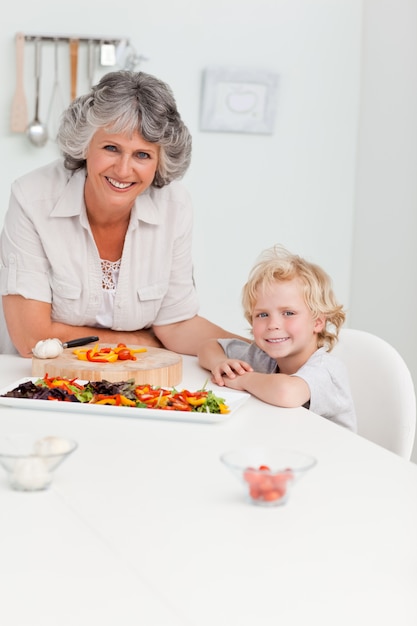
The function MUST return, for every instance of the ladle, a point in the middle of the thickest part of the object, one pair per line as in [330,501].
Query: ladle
[56,105]
[36,131]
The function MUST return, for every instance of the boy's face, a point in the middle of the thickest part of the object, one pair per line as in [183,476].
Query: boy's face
[283,325]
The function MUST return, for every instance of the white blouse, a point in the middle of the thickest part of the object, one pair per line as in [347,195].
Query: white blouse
[48,254]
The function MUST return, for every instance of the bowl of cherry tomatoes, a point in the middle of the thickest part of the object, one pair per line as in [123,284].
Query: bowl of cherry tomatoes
[268,474]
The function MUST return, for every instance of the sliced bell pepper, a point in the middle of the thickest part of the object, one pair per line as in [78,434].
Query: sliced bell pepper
[101,356]
[196,401]
[107,355]
[117,399]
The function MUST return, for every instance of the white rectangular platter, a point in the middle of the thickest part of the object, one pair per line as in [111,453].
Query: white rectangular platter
[233,399]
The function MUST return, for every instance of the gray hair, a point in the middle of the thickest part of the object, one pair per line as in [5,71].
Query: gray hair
[127,102]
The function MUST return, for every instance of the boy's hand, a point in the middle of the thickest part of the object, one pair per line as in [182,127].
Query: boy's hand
[229,369]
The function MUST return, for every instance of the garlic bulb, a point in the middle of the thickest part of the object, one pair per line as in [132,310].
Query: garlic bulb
[48,348]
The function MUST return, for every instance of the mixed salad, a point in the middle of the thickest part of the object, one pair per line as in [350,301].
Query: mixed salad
[123,393]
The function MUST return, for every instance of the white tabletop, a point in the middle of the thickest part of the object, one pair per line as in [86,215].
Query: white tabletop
[144,525]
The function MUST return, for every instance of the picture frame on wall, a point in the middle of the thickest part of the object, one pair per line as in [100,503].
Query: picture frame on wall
[238,100]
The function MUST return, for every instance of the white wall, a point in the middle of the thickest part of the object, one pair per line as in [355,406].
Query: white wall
[297,186]
[384,260]
[250,191]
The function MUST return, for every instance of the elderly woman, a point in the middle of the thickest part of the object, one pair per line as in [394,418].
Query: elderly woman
[99,241]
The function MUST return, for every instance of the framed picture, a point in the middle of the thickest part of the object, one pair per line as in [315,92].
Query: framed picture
[238,100]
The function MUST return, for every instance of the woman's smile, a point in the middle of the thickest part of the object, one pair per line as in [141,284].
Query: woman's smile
[118,184]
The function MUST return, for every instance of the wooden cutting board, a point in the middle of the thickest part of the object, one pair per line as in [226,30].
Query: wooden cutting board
[155,366]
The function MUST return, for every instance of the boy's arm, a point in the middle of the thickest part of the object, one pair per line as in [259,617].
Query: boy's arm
[278,389]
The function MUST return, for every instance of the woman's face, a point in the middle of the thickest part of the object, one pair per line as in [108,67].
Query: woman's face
[119,168]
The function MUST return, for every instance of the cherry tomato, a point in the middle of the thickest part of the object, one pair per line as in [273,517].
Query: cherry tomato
[124,355]
[280,480]
[248,474]
[272,495]
[254,492]
[266,485]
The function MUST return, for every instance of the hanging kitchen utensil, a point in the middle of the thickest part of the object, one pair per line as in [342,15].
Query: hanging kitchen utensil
[19,117]
[36,131]
[74,43]
[90,63]
[57,104]
[108,54]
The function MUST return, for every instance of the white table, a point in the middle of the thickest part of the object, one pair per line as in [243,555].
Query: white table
[144,526]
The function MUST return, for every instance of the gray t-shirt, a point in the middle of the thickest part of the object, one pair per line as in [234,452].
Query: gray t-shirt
[324,373]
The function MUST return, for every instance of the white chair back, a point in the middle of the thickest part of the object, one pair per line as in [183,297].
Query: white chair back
[382,389]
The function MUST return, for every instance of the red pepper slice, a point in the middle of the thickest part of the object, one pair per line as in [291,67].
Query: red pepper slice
[179,406]
[92,356]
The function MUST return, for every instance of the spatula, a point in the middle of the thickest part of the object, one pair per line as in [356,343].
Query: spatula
[19,116]
[74,66]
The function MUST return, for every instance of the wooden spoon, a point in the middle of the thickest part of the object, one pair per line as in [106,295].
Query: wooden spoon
[19,117]
[74,66]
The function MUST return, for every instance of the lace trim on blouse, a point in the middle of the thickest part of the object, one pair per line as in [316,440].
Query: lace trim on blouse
[109,278]
[109,274]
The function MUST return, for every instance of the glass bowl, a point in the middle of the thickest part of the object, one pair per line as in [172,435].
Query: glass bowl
[268,474]
[30,463]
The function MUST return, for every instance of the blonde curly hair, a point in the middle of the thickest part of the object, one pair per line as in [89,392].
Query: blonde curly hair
[278,264]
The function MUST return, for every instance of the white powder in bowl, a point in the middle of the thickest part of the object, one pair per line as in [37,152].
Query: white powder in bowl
[51,445]
[30,474]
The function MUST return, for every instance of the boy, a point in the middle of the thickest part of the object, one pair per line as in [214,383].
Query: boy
[295,321]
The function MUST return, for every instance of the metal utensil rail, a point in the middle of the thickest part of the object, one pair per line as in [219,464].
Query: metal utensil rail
[82,38]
